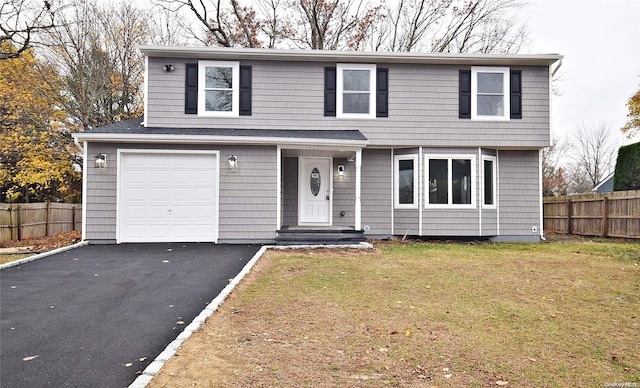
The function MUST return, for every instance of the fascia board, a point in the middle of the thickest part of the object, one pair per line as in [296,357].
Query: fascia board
[196,139]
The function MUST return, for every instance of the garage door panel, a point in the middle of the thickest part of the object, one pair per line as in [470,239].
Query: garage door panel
[168,197]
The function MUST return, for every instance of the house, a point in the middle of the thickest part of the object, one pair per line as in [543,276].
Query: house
[605,186]
[240,145]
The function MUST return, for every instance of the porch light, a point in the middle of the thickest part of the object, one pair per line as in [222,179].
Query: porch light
[169,68]
[101,161]
[341,169]
[233,162]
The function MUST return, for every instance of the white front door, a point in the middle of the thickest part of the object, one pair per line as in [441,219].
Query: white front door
[314,191]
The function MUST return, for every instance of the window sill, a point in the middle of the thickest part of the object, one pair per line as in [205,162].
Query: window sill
[451,207]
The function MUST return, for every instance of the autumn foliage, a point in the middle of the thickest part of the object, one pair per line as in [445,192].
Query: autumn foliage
[632,126]
[36,154]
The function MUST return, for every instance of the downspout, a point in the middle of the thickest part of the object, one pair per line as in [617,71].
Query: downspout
[78,145]
[553,73]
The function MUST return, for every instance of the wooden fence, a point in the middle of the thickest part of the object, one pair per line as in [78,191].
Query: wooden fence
[27,220]
[615,214]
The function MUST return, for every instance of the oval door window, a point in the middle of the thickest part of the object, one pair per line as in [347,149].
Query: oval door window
[314,182]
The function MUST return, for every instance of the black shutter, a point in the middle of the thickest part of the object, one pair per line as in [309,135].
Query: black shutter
[245,90]
[330,91]
[464,104]
[191,89]
[382,93]
[516,94]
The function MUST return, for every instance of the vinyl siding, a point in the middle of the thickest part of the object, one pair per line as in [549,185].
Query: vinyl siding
[344,193]
[423,105]
[290,192]
[247,205]
[519,192]
[376,197]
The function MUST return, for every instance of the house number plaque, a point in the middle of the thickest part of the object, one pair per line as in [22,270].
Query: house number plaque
[314,182]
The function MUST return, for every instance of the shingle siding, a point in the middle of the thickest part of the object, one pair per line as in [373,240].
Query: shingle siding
[519,192]
[247,205]
[423,105]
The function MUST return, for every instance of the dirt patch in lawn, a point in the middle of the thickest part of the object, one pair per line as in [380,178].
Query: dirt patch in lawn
[425,314]
[15,250]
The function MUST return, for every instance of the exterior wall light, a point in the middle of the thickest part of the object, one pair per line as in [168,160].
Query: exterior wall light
[101,161]
[233,162]
[341,169]
[169,68]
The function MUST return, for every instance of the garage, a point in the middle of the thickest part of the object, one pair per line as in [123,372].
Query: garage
[167,196]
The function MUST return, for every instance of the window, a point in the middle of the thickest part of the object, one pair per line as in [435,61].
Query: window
[219,88]
[406,188]
[450,181]
[489,182]
[356,91]
[490,93]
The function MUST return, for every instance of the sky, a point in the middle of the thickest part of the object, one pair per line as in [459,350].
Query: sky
[600,42]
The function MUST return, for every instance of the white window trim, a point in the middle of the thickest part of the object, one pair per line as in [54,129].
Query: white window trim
[235,99]
[506,93]
[372,91]
[396,181]
[450,204]
[494,180]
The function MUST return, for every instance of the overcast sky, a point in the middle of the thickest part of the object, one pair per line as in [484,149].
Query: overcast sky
[600,41]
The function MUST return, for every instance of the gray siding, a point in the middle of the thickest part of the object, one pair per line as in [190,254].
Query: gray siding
[101,194]
[290,192]
[423,105]
[519,192]
[344,193]
[247,195]
[376,197]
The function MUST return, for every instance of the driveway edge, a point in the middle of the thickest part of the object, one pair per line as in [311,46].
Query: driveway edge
[42,255]
[153,368]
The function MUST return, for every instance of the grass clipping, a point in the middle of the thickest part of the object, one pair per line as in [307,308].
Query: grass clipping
[425,315]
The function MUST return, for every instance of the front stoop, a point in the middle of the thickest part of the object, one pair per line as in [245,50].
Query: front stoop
[319,237]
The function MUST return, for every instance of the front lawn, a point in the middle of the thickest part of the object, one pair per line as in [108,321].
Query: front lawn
[413,315]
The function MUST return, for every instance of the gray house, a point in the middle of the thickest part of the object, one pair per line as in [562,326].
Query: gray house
[242,145]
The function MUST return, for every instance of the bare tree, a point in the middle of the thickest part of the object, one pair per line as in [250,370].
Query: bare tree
[593,152]
[554,181]
[22,20]
[481,26]
[226,23]
[94,50]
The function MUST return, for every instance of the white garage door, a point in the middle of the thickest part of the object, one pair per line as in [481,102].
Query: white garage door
[168,197]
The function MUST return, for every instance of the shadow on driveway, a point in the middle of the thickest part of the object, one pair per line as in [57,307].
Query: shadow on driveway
[80,317]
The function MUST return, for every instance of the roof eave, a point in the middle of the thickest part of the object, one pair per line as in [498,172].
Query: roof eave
[209,139]
[347,56]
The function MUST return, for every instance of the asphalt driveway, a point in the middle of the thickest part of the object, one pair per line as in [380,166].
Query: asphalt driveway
[99,314]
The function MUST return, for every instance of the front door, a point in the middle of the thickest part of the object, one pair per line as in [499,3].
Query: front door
[314,191]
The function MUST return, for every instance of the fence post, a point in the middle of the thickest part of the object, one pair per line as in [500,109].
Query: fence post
[19,222]
[73,218]
[569,226]
[46,219]
[605,216]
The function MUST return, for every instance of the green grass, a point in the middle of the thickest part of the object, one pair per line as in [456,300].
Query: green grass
[550,314]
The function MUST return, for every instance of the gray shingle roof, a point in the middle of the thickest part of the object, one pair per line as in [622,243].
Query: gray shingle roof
[134,127]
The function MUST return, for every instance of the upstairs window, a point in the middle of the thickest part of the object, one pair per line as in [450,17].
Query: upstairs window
[219,88]
[450,181]
[356,84]
[490,93]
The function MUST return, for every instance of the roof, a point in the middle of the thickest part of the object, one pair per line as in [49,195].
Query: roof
[133,131]
[348,56]
[605,185]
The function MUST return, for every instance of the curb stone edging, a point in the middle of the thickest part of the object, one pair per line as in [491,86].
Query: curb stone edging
[43,255]
[156,365]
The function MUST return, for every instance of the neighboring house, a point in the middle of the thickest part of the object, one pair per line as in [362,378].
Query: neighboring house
[605,186]
[237,145]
